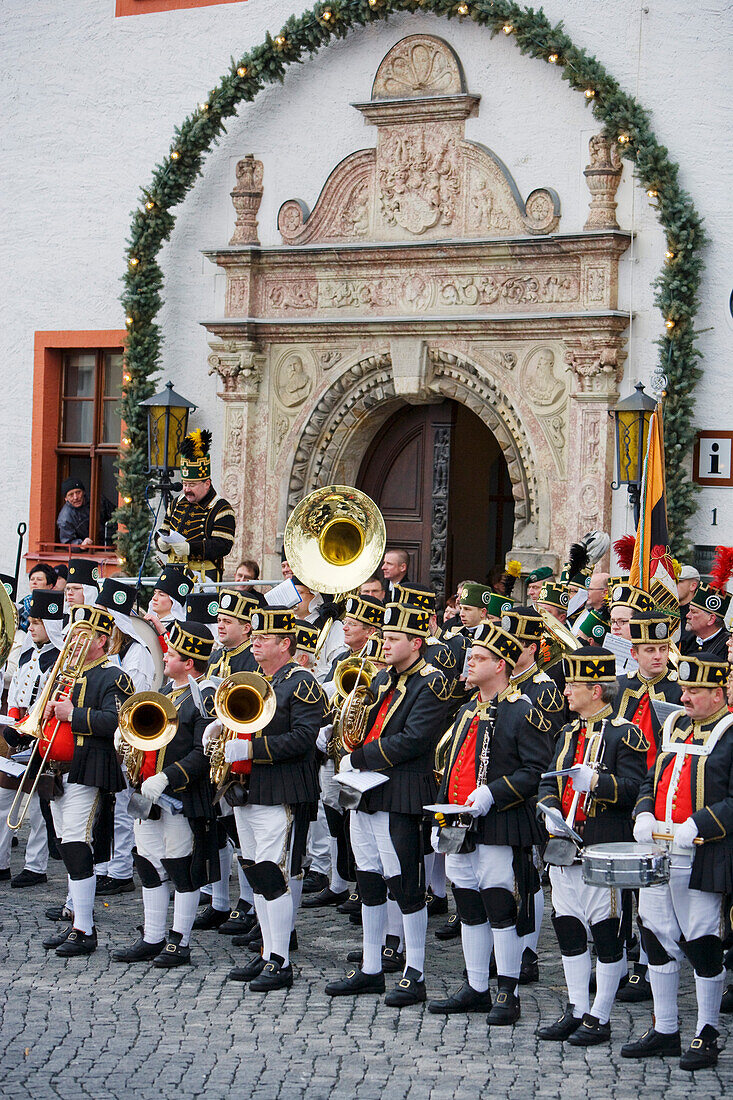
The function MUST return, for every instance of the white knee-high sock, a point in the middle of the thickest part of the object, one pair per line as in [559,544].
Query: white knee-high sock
[245,890]
[415,926]
[338,884]
[476,940]
[184,913]
[608,975]
[373,923]
[665,982]
[577,978]
[82,902]
[220,888]
[429,859]
[709,993]
[264,921]
[69,903]
[532,939]
[437,876]
[394,921]
[296,892]
[508,947]
[155,907]
[280,915]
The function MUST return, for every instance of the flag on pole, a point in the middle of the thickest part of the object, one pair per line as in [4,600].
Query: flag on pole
[652,568]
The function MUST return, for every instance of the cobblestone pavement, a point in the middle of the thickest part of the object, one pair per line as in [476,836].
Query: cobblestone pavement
[91,1027]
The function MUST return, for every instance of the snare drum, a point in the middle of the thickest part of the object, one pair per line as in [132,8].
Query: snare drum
[625,865]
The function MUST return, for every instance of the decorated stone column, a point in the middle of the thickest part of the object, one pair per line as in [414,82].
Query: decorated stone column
[603,176]
[240,366]
[247,196]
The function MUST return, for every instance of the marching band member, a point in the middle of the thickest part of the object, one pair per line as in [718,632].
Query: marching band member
[170,592]
[606,758]
[82,582]
[404,724]
[689,794]
[706,622]
[233,629]
[498,750]
[87,771]
[179,848]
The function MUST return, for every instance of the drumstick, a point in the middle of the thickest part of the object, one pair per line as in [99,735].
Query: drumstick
[669,836]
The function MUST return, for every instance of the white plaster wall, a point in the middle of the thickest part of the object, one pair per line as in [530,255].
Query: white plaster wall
[89,107]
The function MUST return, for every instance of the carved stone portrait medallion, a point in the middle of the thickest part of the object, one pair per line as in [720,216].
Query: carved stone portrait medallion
[539,381]
[294,381]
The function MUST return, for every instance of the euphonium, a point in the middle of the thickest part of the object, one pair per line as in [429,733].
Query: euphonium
[147,721]
[352,679]
[557,640]
[244,703]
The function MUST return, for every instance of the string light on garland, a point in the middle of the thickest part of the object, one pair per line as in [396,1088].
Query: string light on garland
[669,254]
[129,321]
[175,155]
[652,193]
[507,28]
[242,70]
[669,323]
[623,139]
[553,58]
[327,15]
[589,93]
[281,41]
[463,9]
[134,261]
[203,106]
[150,205]
[373,3]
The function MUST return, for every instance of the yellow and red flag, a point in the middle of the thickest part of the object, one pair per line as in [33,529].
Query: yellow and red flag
[652,568]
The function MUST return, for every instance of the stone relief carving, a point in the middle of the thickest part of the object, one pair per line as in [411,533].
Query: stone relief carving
[539,381]
[246,197]
[239,366]
[417,66]
[596,363]
[439,517]
[297,294]
[418,181]
[603,176]
[293,381]
[330,358]
[282,424]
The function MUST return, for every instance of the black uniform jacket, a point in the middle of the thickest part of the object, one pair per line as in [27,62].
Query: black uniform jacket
[717,645]
[284,771]
[418,715]
[520,750]
[631,691]
[208,526]
[711,791]
[623,765]
[97,696]
[183,760]
[544,695]
[225,662]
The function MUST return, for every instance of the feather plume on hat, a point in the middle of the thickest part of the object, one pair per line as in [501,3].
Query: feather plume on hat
[722,568]
[577,558]
[624,550]
[196,444]
[512,570]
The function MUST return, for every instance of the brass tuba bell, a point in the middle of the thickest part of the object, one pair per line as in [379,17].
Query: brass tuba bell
[147,721]
[557,640]
[244,703]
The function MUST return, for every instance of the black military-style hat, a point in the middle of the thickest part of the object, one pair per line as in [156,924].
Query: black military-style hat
[711,599]
[191,639]
[83,571]
[202,607]
[46,603]
[306,636]
[703,670]
[524,623]
[626,595]
[416,595]
[374,649]
[117,596]
[176,582]
[273,620]
[405,619]
[491,636]
[649,628]
[9,584]
[365,609]
[554,594]
[590,665]
[239,605]
[98,618]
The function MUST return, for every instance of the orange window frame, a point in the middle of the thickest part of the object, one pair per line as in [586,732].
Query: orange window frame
[144,7]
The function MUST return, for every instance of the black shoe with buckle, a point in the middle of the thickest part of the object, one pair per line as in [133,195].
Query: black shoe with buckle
[57,938]
[530,969]
[703,1051]
[562,1028]
[726,1004]
[324,897]
[209,918]
[351,905]
[507,1009]
[465,999]
[109,887]
[246,973]
[637,988]
[356,981]
[591,1032]
[172,953]
[241,921]
[451,930]
[59,912]
[393,960]
[653,1044]
[314,882]
[78,943]
[410,990]
[139,951]
[437,906]
[28,878]
[275,975]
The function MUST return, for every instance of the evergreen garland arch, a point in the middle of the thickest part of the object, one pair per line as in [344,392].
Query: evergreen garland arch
[623,119]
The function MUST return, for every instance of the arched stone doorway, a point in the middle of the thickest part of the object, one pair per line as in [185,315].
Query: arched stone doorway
[442,484]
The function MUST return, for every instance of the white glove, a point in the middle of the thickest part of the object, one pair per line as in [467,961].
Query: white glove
[212,730]
[346,765]
[554,827]
[324,736]
[582,777]
[480,801]
[434,837]
[119,742]
[163,542]
[644,827]
[153,788]
[237,749]
[180,549]
[686,833]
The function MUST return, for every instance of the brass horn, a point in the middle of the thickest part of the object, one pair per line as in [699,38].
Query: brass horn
[561,640]
[8,624]
[147,721]
[352,678]
[244,703]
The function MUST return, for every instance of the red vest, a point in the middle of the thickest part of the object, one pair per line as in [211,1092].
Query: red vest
[569,790]
[462,781]
[682,797]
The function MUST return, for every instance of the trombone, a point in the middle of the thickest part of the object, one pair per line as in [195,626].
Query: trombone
[148,720]
[67,670]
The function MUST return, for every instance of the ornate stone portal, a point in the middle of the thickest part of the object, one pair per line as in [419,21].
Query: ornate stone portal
[420,274]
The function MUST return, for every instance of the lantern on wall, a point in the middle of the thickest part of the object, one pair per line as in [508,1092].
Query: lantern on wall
[632,416]
[167,425]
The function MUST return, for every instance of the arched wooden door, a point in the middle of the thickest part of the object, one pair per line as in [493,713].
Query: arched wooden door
[442,485]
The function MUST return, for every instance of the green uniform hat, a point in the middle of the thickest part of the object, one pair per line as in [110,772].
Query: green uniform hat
[480,595]
[406,620]
[542,574]
[497,641]
[648,628]
[703,670]
[523,623]
[625,595]
[594,625]
[195,458]
[365,609]
[590,665]
[711,599]
[191,640]
[273,620]
[554,594]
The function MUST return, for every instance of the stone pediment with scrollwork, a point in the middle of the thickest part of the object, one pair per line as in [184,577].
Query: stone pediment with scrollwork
[423,180]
